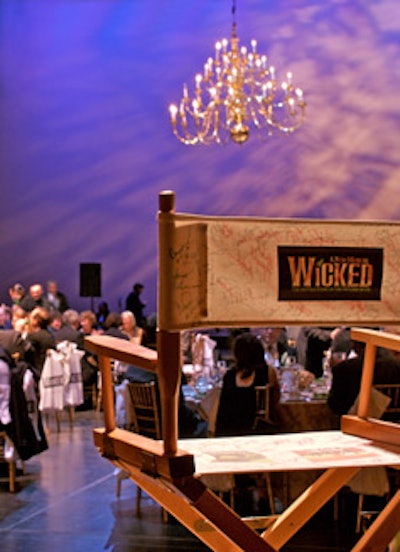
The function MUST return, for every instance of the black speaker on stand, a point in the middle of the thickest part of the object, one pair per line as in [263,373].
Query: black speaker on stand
[90,281]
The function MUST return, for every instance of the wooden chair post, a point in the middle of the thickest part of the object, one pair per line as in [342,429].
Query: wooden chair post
[107,392]
[168,346]
[169,382]
[366,380]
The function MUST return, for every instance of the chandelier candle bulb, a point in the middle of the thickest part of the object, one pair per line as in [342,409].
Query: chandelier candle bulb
[173,110]
[217,50]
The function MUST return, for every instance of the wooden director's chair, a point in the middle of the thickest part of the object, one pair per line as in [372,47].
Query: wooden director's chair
[169,475]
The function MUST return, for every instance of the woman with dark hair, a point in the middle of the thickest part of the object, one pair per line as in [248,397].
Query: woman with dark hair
[237,407]
[112,325]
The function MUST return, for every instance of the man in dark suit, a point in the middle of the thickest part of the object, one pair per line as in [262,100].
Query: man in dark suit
[39,338]
[346,378]
[35,298]
[54,296]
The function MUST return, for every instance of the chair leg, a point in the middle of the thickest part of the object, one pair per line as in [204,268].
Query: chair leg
[336,507]
[71,414]
[11,474]
[118,489]
[270,493]
[120,475]
[359,510]
[232,498]
[99,400]
[94,396]
[57,418]
[138,498]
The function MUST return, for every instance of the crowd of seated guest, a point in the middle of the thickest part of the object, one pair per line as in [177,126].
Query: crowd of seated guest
[37,319]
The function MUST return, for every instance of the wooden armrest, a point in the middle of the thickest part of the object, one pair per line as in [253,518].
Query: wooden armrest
[387,433]
[123,350]
[376,338]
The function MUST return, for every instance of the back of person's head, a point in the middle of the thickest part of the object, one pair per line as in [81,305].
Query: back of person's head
[71,318]
[113,320]
[249,353]
[138,287]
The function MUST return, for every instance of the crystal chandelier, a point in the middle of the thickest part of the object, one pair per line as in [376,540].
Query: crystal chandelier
[237,94]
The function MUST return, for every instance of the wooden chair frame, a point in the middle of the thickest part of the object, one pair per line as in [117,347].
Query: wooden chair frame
[168,474]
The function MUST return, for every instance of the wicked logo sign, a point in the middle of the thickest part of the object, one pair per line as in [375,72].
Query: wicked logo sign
[329,273]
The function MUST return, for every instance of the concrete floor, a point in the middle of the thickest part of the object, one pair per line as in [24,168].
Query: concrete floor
[67,502]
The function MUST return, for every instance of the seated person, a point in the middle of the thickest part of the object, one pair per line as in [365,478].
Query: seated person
[236,412]
[69,330]
[39,338]
[130,328]
[346,377]
[112,326]
[312,342]
[275,343]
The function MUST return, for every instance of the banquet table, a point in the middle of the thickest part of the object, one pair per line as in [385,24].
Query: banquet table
[291,415]
[305,415]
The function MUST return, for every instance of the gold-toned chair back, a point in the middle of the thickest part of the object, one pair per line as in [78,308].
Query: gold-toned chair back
[145,409]
[263,403]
